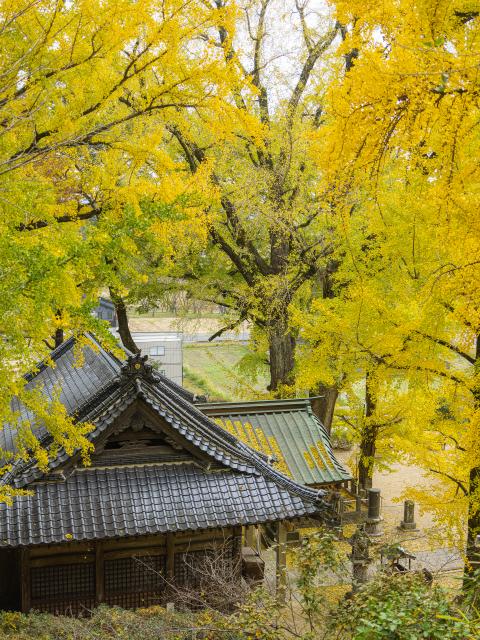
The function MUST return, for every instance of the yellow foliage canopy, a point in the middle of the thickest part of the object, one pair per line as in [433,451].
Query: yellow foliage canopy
[401,150]
[88,92]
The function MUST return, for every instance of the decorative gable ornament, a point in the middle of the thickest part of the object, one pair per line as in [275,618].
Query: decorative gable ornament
[136,366]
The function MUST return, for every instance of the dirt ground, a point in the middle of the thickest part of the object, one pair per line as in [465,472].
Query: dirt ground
[392,485]
[426,542]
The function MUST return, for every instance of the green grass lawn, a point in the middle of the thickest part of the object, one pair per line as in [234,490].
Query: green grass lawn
[211,369]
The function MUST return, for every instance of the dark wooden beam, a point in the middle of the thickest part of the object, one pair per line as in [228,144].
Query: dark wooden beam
[170,557]
[99,574]
[25,579]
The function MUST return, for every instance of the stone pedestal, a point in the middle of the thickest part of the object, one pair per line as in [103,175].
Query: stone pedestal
[373,524]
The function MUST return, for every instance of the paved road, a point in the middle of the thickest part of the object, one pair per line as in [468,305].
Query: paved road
[438,560]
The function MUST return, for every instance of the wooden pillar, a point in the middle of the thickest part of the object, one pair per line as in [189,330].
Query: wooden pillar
[237,552]
[250,536]
[25,579]
[170,557]
[99,574]
[281,568]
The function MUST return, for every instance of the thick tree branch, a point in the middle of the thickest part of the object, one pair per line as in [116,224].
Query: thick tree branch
[459,484]
[123,328]
[194,156]
[314,54]
[41,224]
[447,345]
[351,55]
[422,369]
[228,327]
[257,63]
[227,248]
[454,440]
[466,16]
[30,153]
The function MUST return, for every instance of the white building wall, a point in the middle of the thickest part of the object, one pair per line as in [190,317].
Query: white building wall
[163,349]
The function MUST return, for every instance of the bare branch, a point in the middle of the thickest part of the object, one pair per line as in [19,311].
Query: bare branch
[314,54]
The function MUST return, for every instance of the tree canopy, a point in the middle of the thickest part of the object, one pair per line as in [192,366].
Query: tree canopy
[325,190]
[86,91]
[405,123]
[270,239]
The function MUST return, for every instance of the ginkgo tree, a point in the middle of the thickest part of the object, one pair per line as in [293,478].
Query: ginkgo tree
[404,141]
[86,90]
[270,239]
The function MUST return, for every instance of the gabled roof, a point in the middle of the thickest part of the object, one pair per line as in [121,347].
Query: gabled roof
[77,383]
[287,430]
[100,502]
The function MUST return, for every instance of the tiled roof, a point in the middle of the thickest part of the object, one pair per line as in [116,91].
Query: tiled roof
[138,500]
[287,430]
[235,485]
[112,400]
[79,376]
[77,379]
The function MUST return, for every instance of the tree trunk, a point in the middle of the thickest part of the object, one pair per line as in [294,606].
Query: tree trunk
[473,550]
[367,455]
[281,346]
[368,442]
[473,525]
[324,405]
[58,337]
[123,328]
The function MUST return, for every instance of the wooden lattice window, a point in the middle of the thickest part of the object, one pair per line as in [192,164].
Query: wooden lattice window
[192,567]
[137,581]
[206,577]
[63,588]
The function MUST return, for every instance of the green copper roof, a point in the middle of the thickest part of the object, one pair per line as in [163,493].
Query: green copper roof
[287,430]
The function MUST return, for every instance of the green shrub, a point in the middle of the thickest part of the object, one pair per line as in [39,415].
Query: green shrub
[401,607]
[105,623]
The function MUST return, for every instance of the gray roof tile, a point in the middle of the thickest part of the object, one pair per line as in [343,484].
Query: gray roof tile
[101,503]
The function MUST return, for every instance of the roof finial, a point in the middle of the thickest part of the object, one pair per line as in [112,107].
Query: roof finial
[137,366]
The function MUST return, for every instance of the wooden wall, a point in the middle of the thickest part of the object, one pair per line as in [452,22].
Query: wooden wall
[128,572]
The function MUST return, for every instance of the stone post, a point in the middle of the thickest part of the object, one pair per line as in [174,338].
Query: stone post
[250,536]
[373,524]
[408,523]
